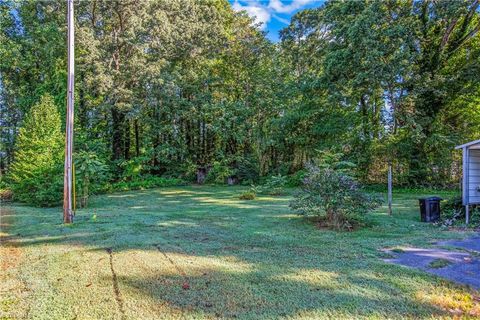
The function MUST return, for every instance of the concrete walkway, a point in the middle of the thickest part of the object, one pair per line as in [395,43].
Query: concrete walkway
[445,260]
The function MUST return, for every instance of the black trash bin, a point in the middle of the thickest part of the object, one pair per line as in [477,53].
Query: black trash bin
[429,209]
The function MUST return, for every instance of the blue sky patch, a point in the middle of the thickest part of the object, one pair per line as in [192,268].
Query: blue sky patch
[273,14]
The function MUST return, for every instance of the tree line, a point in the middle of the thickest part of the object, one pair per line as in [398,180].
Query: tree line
[194,90]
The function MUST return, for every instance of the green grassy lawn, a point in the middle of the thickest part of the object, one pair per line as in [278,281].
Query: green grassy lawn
[200,253]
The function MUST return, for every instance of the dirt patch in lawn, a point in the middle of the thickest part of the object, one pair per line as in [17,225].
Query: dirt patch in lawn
[10,255]
[12,288]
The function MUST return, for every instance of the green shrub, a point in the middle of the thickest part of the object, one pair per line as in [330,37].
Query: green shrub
[43,189]
[248,170]
[333,197]
[275,185]
[145,182]
[453,213]
[36,175]
[218,173]
[296,179]
[47,189]
[453,204]
[247,195]
[90,174]
[6,194]
[133,169]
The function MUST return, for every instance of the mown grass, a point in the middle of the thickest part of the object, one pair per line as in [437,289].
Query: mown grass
[201,253]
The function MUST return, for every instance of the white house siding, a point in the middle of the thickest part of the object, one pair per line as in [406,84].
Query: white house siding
[474,176]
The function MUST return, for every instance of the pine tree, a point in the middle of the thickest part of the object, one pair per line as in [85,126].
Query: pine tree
[36,171]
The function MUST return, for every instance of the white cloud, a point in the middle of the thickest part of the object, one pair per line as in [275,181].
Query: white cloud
[279,7]
[282,20]
[260,13]
[263,13]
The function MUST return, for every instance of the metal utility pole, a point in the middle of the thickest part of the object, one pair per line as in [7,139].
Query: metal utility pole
[67,182]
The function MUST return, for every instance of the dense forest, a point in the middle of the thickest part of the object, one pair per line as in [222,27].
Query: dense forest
[193,90]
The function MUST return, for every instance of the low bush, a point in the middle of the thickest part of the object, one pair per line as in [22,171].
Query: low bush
[275,185]
[247,195]
[145,182]
[452,204]
[333,197]
[453,213]
[6,194]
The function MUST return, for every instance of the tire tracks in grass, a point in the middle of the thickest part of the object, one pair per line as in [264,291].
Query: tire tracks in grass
[116,288]
[179,269]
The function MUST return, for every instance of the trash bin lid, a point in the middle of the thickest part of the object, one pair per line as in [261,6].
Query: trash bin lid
[434,198]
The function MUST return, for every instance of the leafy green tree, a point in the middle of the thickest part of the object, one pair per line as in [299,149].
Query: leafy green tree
[174,88]
[36,173]
[90,173]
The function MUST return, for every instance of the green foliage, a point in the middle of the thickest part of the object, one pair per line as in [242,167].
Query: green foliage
[36,174]
[219,173]
[167,87]
[453,213]
[5,194]
[296,179]
[46,189]
[334,161]
[256,189]
[145,182]
[439,263]
[133,169]
[333,197]
[247,170]
[247,195]
[90,174]
[452,203]
[251,193]
[275,185]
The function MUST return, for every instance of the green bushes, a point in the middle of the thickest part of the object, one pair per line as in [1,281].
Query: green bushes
[91,174]
[145,182]
[275,185]
[453,213]
[247,195]
[5,194]
[219,173]
[333,197]
[46,189]
[36,175]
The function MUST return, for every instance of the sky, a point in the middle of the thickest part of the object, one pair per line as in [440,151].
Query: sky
[273,14]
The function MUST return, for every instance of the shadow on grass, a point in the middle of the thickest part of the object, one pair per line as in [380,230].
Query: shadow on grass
[293,268]
[261,294]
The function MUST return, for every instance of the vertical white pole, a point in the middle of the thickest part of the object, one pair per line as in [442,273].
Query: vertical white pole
[67,183]
[390,187]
